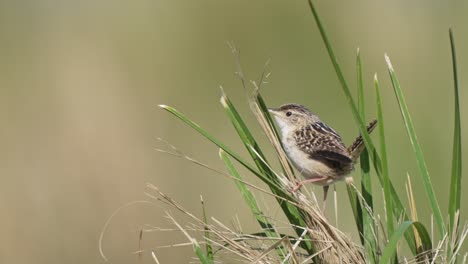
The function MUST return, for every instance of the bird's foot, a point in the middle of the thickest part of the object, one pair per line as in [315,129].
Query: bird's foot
[312,180]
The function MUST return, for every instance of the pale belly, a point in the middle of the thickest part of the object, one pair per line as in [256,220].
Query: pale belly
[311,168]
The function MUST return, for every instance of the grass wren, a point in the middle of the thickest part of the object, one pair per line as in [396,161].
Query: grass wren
[314,148]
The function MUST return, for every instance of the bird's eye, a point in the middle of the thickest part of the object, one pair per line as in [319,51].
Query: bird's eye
[288,114]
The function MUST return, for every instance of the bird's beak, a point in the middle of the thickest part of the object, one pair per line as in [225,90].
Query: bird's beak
[273,111]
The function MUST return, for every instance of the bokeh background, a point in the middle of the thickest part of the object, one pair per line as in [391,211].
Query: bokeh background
[80,82]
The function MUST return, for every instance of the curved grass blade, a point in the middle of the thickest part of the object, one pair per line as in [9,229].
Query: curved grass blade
[397,204]
[425,249]
[391,247]
[224,147]
[249,198]
[292,212]
[417,149]
[247,138]
[455,182]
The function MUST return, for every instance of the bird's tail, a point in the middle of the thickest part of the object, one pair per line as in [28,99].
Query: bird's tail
[358,145]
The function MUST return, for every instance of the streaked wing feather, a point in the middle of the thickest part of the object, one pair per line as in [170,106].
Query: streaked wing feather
[325,129]
[330,155]
[321,141]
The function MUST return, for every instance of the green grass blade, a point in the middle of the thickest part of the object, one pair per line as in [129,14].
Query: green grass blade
[206,235]
[364,159]
[352,195]
[292,212]
[426,243]
[397,204]
[344,85]
[455,182]
[249,198]
[201,255]
[199,252]
[368,227]
[360,87]
[224,147]
[391,247]
[383,149]
[196,247]
[362,126]
[285,165]
[264,108]
[357,212]
[247,138]
[417,150]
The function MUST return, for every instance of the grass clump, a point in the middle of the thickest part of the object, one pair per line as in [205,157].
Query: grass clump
[316,239]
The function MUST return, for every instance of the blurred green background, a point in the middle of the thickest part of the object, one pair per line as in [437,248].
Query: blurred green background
[80,82]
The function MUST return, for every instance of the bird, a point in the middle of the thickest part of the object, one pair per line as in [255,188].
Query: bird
[315,149]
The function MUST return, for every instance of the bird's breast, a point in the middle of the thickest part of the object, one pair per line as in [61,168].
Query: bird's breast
[307,166]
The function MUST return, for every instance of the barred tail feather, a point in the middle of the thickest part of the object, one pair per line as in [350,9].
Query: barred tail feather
[358,145]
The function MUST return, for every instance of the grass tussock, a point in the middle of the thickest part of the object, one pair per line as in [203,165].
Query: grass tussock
[315,238]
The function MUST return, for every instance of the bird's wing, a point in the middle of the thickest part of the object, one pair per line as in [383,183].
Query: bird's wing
[322,142]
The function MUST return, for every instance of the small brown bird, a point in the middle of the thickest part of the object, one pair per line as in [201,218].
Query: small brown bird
[314,148]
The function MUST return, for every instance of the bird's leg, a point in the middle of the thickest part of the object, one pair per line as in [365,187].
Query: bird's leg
[300,184]
[325,192]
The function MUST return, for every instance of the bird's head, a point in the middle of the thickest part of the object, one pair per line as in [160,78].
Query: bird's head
[289,117]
